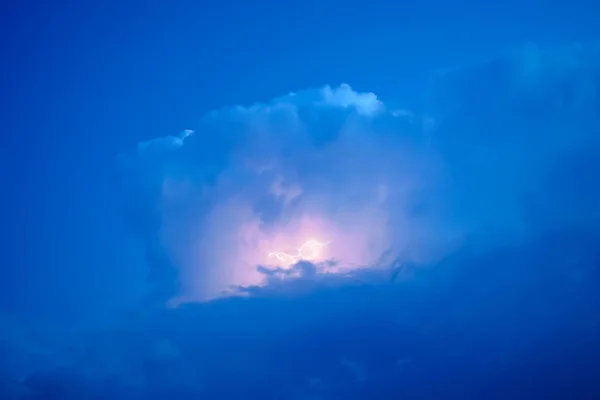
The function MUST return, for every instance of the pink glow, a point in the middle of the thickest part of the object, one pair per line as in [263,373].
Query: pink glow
[232,244]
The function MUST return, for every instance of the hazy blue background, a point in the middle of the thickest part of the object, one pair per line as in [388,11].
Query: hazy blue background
[518,125]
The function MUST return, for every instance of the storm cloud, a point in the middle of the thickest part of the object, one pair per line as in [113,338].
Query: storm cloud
[330,165]
[463,237]
[380,185]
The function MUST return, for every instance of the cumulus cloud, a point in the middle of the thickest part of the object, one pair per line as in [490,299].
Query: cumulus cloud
[330,165]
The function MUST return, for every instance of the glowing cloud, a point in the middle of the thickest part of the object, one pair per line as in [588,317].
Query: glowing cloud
[328,163]
[310,251]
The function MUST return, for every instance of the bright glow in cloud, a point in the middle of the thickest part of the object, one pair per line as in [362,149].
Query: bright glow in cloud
[330,164]
[311,250]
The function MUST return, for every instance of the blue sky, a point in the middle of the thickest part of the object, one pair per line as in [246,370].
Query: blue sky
[84,83]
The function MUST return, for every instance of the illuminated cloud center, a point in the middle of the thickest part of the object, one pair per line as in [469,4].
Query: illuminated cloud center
[312,250]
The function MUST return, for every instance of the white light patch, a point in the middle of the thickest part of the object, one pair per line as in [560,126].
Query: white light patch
[312,250]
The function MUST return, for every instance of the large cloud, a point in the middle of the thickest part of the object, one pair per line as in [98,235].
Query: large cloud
[378,184]
[330,165]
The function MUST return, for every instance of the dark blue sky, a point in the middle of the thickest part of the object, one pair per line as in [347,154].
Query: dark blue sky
[82,82]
